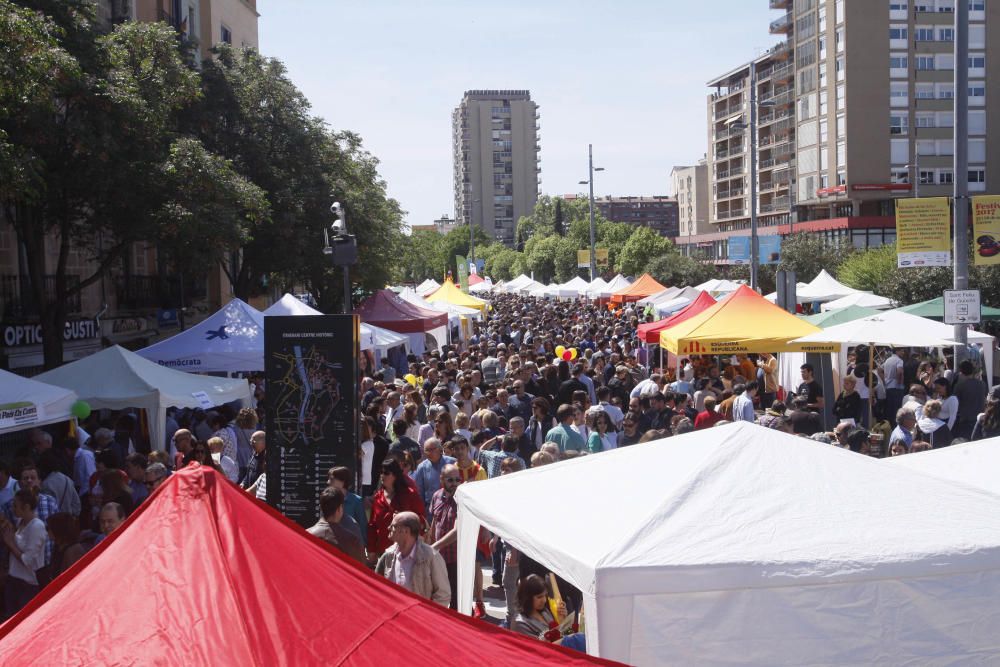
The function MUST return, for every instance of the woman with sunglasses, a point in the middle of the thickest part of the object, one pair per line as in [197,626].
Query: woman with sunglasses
[393,496]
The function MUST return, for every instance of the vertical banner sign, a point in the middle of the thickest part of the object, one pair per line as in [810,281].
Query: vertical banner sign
[923,232]
[583,259]
[986,229]
[601,257]
[463,273]
[311,367]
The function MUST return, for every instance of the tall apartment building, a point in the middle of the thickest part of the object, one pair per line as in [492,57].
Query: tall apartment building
[137,299]
[496,148]
[690,187]
[868,116]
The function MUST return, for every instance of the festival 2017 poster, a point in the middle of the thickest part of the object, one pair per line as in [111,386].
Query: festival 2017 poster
[311,366]
[923,232]
[986,230]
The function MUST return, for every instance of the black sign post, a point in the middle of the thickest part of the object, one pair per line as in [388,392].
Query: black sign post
[312,407]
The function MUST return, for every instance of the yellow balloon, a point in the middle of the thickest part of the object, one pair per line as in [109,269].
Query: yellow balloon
[411,378]
[572,353]
[559,350]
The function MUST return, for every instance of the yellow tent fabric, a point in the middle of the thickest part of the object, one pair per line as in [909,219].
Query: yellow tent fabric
[743,323]
[450,293]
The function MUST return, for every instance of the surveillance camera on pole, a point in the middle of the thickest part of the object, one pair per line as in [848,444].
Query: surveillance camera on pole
[343,251]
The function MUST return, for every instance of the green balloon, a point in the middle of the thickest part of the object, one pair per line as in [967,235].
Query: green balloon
[80,409]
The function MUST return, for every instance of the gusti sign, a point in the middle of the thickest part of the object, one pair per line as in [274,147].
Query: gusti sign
[20,335]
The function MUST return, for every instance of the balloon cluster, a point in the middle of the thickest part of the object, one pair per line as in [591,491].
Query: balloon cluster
[566,353]
[413,380]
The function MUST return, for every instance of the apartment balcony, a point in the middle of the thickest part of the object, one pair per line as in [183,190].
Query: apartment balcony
[730,90]
[782,26]
[17,299]
[730,194]
[781,99]
[774,117]
[728,111]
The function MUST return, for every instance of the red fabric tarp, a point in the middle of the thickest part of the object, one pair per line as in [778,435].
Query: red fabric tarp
[385,309]
[650,331]
[475,279]
[645,286]
[203,574]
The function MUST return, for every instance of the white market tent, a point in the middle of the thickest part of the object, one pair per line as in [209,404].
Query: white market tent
[381,340]
[528,288]
[597,285]
[289,305]
[823,287]
[863,299]
[515,284]
[898,329]
[662,295]
[664,308]
[741,544]
[773,296]
[427,286]
[718,286]
[115,378]
[973,463]
[616,284]
[485,286]
[571,289]
[541,291]
[27,403]
[228,341]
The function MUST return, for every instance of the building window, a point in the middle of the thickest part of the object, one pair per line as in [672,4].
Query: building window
[945,177]
[922,34]
[897,32]
[977,176]
[899,176]
[925,63]
[226,35]
[898,124]
[926,177]
[946,34]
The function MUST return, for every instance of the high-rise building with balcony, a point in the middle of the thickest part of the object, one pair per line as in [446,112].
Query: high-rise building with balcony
[690,187]
[495,135]
[855,109]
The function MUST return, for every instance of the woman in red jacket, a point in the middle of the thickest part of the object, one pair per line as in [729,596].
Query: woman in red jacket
[394,495]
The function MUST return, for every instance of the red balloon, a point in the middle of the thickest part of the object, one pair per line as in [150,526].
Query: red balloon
[567,355]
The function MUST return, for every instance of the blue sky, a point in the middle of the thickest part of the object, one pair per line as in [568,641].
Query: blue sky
[627,76]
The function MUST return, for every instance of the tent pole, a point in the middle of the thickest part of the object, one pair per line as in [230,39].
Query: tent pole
[871,387]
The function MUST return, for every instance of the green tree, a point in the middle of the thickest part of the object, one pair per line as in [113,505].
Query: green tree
[613,236]
[807,254]
[674,269]
[642,246]
[869,270]
[501,263]
[90,175]
[540,257]
[564,261]
[419,259]
[456,243]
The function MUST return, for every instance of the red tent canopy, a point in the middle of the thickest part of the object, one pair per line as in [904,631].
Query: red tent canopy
[650,331]
[385,309]
[645,286]
[203,574]
[475,279]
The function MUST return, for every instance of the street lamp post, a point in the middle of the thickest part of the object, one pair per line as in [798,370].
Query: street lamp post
[961,169]
[915,166]
[754,247]
[593,231]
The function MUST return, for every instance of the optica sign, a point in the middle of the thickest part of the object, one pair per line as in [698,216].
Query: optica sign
[17,335]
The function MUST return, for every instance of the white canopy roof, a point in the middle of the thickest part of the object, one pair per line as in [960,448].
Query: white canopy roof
[289,305]
[773,296]
[485,286]
[895,328]
[864,299]
[541,291]
[597,285]
[717,286]
[515,283]
[741,540]
[26,403]
[662,295]
[427,286]
[664,308]
[619,282]
[116,379]
[529,287]
[973,463]
[377,338]
[229,341]
[823,287]
[570,289]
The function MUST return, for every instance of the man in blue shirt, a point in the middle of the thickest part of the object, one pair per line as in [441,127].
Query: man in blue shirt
[563,434]
[743,405]
[427,475]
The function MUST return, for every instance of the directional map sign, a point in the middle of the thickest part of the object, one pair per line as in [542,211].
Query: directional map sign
[962,306]
[312,402]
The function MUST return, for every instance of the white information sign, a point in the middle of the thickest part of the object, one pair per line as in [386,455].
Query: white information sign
[203,400]
[962,306]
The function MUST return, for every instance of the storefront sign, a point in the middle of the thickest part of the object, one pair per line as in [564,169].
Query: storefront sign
[19,335]
[923,229]
[986,229]
[881,187]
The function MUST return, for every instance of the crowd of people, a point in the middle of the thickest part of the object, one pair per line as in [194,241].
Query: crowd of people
[537,382]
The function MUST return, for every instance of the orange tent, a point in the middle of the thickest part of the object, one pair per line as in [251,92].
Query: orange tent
[640,289]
